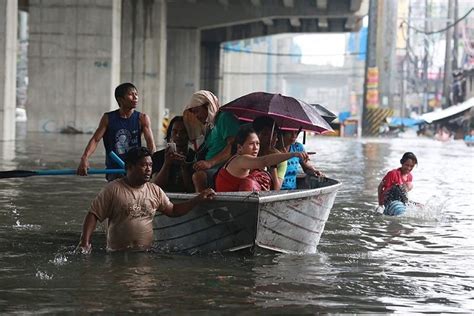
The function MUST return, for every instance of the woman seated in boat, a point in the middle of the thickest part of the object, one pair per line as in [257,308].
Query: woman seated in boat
[289,144]
[172,167]
[243,171]
[267,131]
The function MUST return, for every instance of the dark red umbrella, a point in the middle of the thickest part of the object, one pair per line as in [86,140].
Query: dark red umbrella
[289,113]
[325,113]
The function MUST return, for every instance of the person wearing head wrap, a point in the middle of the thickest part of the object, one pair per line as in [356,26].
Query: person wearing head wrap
[203,118]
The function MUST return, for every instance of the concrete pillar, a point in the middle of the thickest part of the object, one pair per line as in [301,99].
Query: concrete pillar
[210,66]
[386,52]
[73,61]
[143,60]
[183,68]
[8,44]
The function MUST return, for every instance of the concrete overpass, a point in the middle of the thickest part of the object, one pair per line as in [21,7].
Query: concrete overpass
[79,50]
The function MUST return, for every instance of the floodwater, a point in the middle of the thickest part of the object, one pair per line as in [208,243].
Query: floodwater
[366,262]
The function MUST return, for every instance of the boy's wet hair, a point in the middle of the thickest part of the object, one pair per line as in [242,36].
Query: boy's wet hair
[175,119]
[241,137]
[135,154]
[123,89]
[408,155]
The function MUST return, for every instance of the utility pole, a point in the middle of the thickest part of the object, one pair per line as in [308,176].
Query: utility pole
[370,60]
[455,36]
[447,61]
[425,61]
[405,67]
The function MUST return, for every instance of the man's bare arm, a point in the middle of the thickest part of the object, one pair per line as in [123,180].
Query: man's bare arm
[90,223]
[176,210]
[92,145]
[222,156]
[147,132]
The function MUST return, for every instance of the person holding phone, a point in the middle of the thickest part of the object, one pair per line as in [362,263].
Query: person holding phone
[173,166]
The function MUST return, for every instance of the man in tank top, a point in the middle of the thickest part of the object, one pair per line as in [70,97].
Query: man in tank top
[121,130]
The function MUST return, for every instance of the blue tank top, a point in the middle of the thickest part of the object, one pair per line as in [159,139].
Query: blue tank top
[122,134]
[292,168]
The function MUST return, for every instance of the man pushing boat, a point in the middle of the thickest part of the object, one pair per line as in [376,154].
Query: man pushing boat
[130,204]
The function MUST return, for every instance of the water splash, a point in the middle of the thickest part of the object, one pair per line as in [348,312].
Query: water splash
[20,226]
[59,260]
[43,275]
[432,210]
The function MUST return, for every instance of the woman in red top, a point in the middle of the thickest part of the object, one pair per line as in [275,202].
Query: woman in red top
[242,172]
[400,176]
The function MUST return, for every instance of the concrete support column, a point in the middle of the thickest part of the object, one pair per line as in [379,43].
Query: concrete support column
[183,62]
[8,44]
[143,60]
[210,66]
[386,52]
[73,63]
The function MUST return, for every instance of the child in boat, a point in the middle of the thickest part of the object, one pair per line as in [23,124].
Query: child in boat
[267,131]
[173,166]
[242,172]
[397,182]
[289,144]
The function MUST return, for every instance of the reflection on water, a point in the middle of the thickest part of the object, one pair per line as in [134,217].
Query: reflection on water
[367,262]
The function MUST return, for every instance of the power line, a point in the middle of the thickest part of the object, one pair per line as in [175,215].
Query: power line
[289,54]
[344,71]
[438,31]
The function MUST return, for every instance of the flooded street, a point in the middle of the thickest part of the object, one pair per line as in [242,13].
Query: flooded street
[366,262]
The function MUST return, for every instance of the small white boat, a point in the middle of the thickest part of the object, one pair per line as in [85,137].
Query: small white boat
[281,221]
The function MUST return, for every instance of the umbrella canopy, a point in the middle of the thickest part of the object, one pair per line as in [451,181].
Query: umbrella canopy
[289,113]
[325,113]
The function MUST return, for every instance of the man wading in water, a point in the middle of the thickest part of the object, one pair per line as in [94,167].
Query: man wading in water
[130,204]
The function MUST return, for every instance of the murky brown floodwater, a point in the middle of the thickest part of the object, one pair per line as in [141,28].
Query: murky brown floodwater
[367,262]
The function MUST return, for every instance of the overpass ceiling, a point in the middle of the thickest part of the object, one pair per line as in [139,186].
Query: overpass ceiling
[236,19]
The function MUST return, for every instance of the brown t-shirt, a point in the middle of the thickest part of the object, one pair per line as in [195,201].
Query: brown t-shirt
[130,212]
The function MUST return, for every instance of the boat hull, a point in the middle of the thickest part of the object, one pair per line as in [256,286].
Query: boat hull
[282,221]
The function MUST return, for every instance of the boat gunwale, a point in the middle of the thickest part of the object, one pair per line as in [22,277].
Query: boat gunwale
[264,197]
